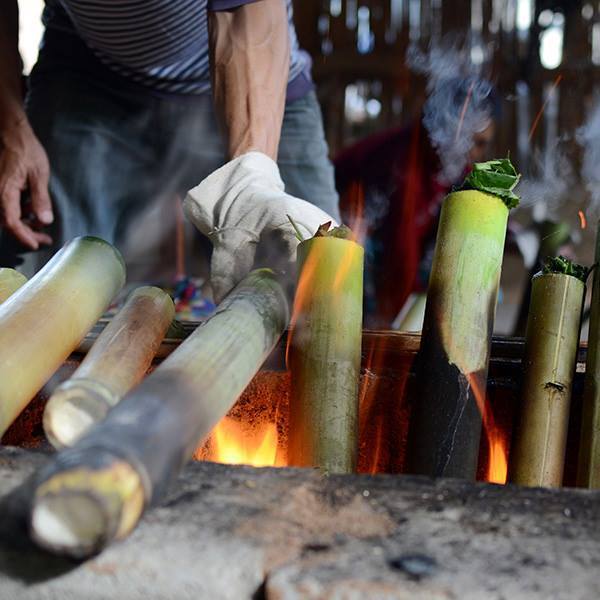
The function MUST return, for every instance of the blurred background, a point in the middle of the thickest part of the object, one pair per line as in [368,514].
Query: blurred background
[375,60]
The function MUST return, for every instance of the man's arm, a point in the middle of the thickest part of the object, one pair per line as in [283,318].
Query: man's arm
[250,57]
[23,161]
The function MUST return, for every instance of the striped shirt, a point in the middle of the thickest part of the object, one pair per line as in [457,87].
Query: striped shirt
[159,44]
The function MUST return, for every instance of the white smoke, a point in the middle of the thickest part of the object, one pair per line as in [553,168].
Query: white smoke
[458,105]
[546,190]
[588,136]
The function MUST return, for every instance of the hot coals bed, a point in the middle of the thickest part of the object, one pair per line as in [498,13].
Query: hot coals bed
[236,532]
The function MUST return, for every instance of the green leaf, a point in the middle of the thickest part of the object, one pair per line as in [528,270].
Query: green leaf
[296,229]
[562,265]
[496,177]
[342,232]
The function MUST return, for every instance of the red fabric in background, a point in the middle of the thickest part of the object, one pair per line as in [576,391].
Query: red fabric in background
[400,164]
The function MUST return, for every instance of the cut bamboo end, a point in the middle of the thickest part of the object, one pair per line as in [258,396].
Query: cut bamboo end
[117,361]
[324,356]
[75,512]
[553,326]
[42,322]
[130,458]
[10,282]
[74,407]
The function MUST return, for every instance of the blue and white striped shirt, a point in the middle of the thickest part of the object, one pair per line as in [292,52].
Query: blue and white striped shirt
[159,44]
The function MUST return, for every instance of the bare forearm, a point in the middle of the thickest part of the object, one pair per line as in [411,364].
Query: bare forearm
[250,58]
[11,104]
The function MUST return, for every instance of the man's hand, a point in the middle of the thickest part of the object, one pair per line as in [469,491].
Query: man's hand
[24,165]
[239,203]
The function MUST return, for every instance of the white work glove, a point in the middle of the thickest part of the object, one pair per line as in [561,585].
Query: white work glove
[236,205]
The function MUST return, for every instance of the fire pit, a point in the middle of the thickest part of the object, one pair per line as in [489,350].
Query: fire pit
[235,532]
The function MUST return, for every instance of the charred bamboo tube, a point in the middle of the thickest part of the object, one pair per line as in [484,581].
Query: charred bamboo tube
[588,472]
[552,339]
[97,489]
[446,421]
[116,363]
[10,282]
[324,354]
[42,322]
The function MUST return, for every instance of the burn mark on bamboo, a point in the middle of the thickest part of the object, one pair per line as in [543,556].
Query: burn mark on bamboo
[445,427]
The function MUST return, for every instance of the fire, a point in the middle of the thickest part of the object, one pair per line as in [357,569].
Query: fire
[233,444]
[367,396]
[582,219]
[541,111]
[497,469]
[497,463]
[356,213]
[303,289]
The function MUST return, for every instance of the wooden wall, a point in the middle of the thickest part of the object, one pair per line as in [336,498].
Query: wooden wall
[365,41]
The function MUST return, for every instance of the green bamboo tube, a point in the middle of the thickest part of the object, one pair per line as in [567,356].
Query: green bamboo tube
[588,472]
[413,319]
[324,355]
[96,490]
[117,362]
[552,339]
[10,282]
[446,420]
[42,322]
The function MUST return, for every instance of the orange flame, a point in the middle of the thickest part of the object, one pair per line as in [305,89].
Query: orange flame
[233,444]
[582,219]
[367,396]
[497,470]
[303,291]
[356,213]
[541,111]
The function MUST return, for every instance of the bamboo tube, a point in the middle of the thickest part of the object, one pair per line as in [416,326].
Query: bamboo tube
[45,319]
[552,340]
[446,420]
[116,363]
[412,319]
[324,356]
[10,282]
[552,237]
[97,489]
[588,472]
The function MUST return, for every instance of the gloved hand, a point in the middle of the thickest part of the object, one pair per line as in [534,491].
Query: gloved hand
[236,205]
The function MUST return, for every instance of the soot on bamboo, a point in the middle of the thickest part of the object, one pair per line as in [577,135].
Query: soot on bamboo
[96,490]
[446,420]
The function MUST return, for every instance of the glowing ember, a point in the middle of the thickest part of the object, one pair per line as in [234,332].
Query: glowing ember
[541,111]
[234,444]
[497,460]
[497,464]
[582,219]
